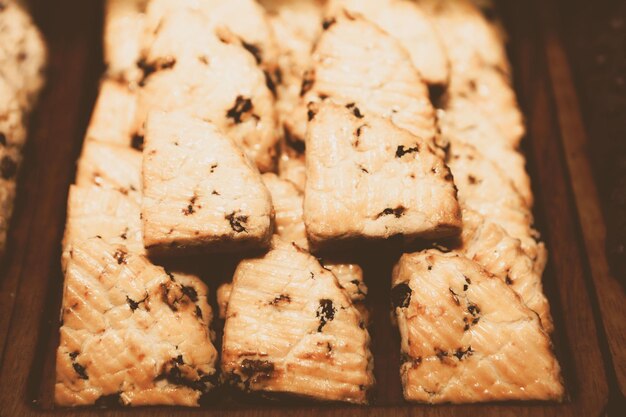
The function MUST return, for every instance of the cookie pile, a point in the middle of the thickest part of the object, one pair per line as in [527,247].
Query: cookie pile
[286,132]
[22,61]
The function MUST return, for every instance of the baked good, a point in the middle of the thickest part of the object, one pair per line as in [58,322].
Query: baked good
[185,70]
[94,211]
[406,21]
[110,166]
[124,22]
[291,329]
[357,63]
[140,335]
[466,336]
[113,117]
[200,192]
[368,179]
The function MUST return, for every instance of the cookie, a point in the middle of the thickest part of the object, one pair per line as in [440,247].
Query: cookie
[368,179]
[200,192]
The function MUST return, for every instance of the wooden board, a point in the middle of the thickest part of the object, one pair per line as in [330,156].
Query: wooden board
[576,145]
[31,282]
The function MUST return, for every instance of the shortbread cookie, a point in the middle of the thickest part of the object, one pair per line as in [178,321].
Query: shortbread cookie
[290,328]
[466,336]
[199,190]
[132,333]
[245,19]
[471,42]
[357,63]
[490,91]
[406,21]
[486,190]
[369,179]
[488,244]
[110,166]
[124,22]
[99,212]
[188,68]
[463,122]
[113,117]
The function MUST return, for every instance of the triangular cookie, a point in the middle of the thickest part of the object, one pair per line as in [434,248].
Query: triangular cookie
[466,336]
[200,192]
[369,179]
[132,333]
[290,328]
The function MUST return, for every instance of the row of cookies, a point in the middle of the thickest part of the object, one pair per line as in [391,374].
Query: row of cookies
[498,254]
[22,62]
[480,128]
[158,177]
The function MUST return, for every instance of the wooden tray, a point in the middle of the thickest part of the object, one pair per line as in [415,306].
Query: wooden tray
[31,281]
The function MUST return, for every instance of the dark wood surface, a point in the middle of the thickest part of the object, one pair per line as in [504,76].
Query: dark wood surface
[578,146]
[30,285]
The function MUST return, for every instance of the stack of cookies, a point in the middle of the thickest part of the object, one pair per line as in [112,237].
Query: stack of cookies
[286,132]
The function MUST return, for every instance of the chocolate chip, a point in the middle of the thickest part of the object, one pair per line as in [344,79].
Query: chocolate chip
[242,105]
[401,295]
[120,256]
[294,142]
[435,92]
[237,221]
[73,355]
[307,82]
[198,312]
[269,82]
[134,305]
[325,312]
[189,210]
[440,354]
[172,373]
[328,23]
[398,212]
[508,280]
[355,110]
[256,52]
[3,139]
[166,63]
[401,150]
[282,298]
[137,142]
[190,292]
[255,369]
[80,370]
[147,70]
[8,167]
[473,309]
[463,353]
